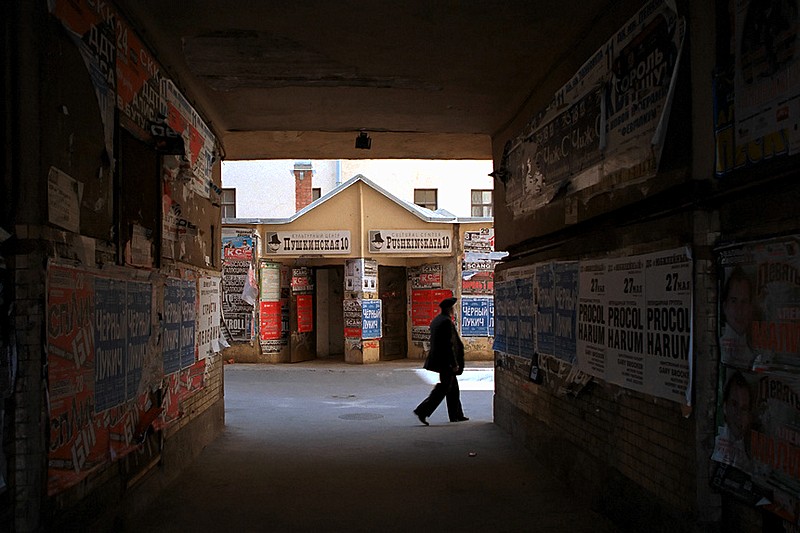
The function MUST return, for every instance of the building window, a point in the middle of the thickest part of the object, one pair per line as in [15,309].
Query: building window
[426,198]
[228,203]
[481,203]
[316,192]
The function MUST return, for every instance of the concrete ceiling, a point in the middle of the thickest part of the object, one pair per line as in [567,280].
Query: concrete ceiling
[300,79]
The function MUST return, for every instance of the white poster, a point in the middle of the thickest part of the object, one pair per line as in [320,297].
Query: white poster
[668,290]
[625,333]
[592,303]
[64,196]
[208,318]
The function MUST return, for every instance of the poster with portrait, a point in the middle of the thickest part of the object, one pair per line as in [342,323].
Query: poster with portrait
[757,448]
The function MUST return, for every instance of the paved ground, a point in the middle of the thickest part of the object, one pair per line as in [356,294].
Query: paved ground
[330,447]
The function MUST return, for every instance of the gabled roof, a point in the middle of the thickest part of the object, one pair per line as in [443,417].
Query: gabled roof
[440,215]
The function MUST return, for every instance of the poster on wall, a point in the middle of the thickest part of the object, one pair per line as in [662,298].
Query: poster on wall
[208,319]
[607,123]
[77,446]
[100,355]
[139,313]
[371,323]
[305,313]
[565,296]
[668,312]
[237,244]
[302,279]
[591,318]
[479,241]
[624,320]
[426,276]
[476,316]
[767,56]
[545,310]
[273,307]
[198,140]
[500,343]
[525,312]
[171,344]
[64,197]
[109,343]
[756,447]
[634,322]
[270,321]
[424,308]
[237,313]
[625,356]
[188,317]
[477,283]
[353,317]
[361,275]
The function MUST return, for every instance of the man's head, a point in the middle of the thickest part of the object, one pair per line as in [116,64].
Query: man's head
[736,405]
[737,301]
[447,305]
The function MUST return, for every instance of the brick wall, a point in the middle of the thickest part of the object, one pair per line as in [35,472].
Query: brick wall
[620,450]
[27,461]
[302,188]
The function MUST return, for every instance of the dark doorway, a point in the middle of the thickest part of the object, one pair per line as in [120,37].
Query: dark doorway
[392,290]
[330,312]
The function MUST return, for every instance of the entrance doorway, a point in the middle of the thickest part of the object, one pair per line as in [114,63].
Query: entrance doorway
[330,312]
[392,290]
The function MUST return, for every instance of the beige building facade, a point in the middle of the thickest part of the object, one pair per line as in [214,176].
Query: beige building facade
[358,275]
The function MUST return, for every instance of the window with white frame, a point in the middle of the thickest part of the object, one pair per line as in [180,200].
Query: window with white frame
[426,198]
[228,203]
[481,203]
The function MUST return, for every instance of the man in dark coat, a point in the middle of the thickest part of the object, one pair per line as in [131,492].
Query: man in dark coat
[447,358]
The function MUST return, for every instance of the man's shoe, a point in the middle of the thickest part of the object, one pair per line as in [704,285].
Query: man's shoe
[421,417]
[460,419]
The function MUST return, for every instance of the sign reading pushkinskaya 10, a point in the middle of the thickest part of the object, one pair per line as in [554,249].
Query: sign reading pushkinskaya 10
[625,320]
[392,241]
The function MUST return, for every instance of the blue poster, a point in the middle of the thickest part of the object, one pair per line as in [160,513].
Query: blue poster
[545,307]
[490,305]
[109,343]
[500,341]
[188,315]
[475,316]
[566,302]
[525,328]
[371,319]
[139,300]
[171,342]
[512,318]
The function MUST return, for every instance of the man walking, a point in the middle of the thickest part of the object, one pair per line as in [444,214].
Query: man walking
[447,358]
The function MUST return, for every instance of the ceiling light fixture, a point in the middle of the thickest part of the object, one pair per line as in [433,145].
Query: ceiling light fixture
[363,141]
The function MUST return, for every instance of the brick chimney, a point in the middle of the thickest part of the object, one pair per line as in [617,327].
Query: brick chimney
[303,172]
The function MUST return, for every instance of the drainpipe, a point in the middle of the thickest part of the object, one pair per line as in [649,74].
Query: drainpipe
[338,172]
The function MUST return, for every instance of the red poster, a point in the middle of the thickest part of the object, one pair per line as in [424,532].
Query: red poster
[270,321]
[425,305]
[79,440]
[305,313]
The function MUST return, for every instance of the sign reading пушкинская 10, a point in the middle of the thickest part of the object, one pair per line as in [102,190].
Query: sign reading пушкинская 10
[393,241]
[307,242]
